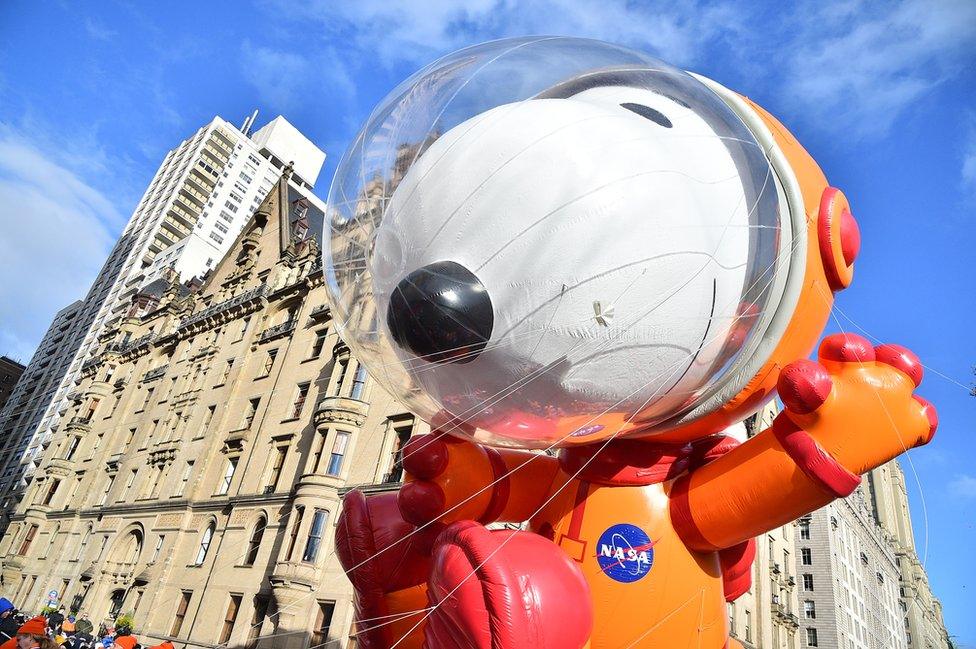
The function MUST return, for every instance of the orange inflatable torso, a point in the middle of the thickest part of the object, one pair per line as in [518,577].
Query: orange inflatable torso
[646,584]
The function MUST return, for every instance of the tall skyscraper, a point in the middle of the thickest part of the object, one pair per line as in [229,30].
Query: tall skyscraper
[10,372]
[19,448]
[848,578]
[194,208]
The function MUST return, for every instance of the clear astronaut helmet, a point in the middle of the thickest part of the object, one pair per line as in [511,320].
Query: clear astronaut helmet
[553,241]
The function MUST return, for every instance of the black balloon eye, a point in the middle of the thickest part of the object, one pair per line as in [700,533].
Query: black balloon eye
[647,112]
[442,313]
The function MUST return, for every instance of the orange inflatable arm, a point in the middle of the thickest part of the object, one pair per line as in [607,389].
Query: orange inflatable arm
[851,412]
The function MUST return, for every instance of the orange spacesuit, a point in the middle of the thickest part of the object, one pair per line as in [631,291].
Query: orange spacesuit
[636,541]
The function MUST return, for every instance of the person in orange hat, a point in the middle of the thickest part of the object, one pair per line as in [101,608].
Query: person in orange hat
[33,635]
[165,644]
[125,642]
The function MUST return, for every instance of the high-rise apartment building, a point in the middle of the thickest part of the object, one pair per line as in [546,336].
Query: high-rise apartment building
[10,372]
[194,208]
[30,397]
[849,578]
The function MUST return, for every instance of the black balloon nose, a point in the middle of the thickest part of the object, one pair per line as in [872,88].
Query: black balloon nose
[442,313]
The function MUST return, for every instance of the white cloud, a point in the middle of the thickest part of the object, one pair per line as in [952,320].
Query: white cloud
[847,66]
[417,32]
[283,79]
[57,232]
[963,485]
[968,170]
[859,65]
[98,31]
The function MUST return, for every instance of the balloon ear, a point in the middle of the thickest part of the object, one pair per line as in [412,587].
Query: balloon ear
[840,238]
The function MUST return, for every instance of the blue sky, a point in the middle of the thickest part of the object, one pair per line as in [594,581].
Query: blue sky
[92,95]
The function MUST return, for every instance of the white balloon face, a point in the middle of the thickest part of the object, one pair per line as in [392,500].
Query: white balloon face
[572,266]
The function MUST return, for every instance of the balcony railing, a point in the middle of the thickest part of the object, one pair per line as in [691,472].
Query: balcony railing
[277,331]
[321,311]
[126,347]
[237,300]
[155,373]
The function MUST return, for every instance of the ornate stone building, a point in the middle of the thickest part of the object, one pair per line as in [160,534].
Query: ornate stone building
[196,480]
[922,611]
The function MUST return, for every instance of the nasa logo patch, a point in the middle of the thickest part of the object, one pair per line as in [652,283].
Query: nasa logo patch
[586,430]
[625,553]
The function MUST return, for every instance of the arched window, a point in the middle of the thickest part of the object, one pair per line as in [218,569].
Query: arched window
[255,543]
[204,544]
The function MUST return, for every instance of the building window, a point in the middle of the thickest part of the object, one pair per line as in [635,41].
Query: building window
[247,179]
[204,544]
[340,374]
[216,237]
[108,488]
[221,227]
[358,382]
[319,343]
[299,513]
[279,461]
[227,368]
[807,581]
[323,620]
[809,609]
[806,557]
[149,393]
[338,452]
[252,409]
[812,637]
[243,331]
[181,609]
[257,619]
[208,418]
[157,478]
[236,197]
[254,546]
[269,362]
[228,476]
[51,491]
[84,543]
[159,546]
[805,529]
[315,533]
[128,484]
[402,432]
[300,400]
[231,206]
[232,608]
[129,438]
[28,539]
[748,626]
[186,477]
[72,447]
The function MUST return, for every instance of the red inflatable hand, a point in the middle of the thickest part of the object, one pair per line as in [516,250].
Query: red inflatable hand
[505,589]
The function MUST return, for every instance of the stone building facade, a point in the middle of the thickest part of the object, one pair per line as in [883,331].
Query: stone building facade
[922,611]
[196,480]
[848,578]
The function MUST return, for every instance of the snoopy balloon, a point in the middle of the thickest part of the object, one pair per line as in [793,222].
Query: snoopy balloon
[564,245]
